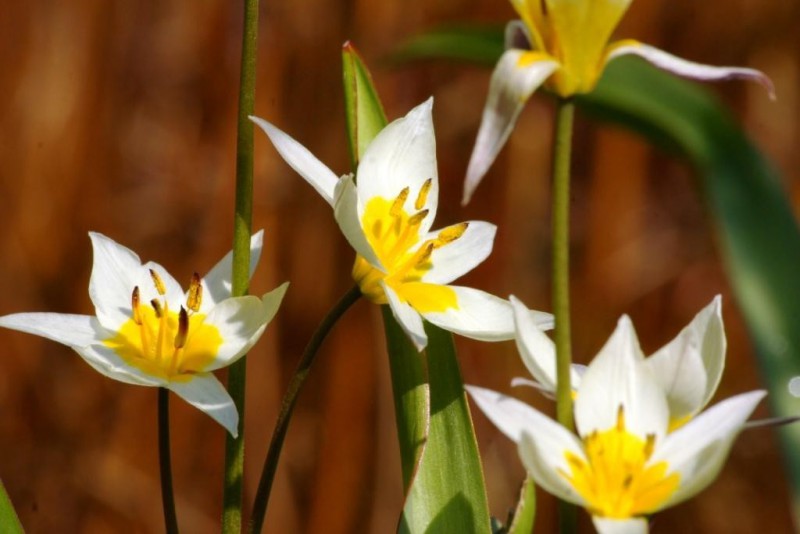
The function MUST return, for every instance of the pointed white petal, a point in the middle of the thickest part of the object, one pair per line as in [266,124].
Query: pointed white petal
[543,449]
[690,366]
[272,301]
[240,321]
[514,80]
[348,216]
[459,257]
[208,395]
[106,362]
[618,377]
[217,283]
[605,525]
[698,449]
[116,270]
[688,69]
[517,36]
[477,314]
[537,351]
[509,415]
[407,317]
[301,160]
[67,329]
[402,155]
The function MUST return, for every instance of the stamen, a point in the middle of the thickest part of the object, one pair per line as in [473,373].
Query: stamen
[183,329]
[157,307]
[649,445]
[621,418]
[195,297]
[423,194]
[417,218]
[397,205]
[451,233]
[543,4]
[137,316]
[158,282]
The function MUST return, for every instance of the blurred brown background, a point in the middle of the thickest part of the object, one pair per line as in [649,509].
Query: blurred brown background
[119,117]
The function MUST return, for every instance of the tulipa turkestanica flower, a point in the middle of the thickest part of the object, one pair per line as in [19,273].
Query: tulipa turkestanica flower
[689,367]
[564,44]
[386,212]
[147,331]
[627,460]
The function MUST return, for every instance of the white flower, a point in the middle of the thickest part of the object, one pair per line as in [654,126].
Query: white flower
[688,368]
[148,332]
[565,44]
[387,217]
[624,463]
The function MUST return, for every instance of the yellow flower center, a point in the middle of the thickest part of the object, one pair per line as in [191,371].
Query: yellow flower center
[615,479]
[164,343]
[394,236]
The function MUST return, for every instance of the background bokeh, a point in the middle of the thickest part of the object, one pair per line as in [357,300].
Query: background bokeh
[119,117]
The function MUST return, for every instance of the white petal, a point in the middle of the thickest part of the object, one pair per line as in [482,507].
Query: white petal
[543,450]
[402,155]
[301,160]
[348,217]
[407,317]
[510,87]
[477,315]
[272,301]
[690,366]
[240,321]
[517,36]
[116,270]
[106,362]
[459,257]
[698,449]
[67,329]
[605,525]
[619,377]
[688,69]
[537,351]
[217,283]
[509,415]
[205,393]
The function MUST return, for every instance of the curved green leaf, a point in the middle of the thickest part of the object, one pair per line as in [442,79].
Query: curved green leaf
[8,516]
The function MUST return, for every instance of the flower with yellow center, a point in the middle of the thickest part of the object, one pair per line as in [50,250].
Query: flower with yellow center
[146,331]
[624,463]
[387,218]
[564,44]
[689,367]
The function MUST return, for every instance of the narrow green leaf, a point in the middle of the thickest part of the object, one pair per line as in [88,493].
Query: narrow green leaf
[8,516]
[363,110]
[442,473]
[525,513]
[473,44]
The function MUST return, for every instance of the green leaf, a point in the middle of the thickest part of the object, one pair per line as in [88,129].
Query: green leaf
[525,513]
[363,110]
[474,44]
[441,468]
[8,517]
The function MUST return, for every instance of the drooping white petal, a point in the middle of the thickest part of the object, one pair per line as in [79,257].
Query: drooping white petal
[116,270]
[517,75]
[208,395]
[67,329]
[402,155]
[690,366]
[345,209]
[688,69]
[301,160]
[618,377]
[476,315]
[108,363]
[240,322]
[407,317]
[459,257]
[634,525]
[217,283]
[543,449]
[698,449]
[510,416]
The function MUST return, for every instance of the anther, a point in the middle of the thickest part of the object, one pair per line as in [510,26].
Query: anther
[183,329]
[158,282]
[544,7]
[137,317]
[423,194]
[195,297]
[397,205]
[451,233]
[621,418]
[417,218]
[156,304]
[649,445]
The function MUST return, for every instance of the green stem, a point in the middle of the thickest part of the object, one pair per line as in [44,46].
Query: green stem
[287,406]
[242,229]
[167,495]
[561,177]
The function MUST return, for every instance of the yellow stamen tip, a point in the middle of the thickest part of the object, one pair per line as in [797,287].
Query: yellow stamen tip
[183,329]
[397,205]
[422,196]
[137,316]
[195,297]
[157,307]
[451,233]
[417,218]
[158,282]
